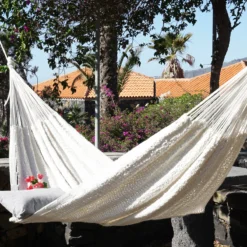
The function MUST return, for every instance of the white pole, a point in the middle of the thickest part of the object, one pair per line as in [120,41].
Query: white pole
[4,52]
[97,88]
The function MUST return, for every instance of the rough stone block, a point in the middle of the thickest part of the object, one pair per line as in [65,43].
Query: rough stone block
[194,230]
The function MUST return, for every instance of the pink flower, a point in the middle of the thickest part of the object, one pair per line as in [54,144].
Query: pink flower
[28,179]
[93,139]
[12,38]
[117,117]
[26,28]
[140,109]
[125,133]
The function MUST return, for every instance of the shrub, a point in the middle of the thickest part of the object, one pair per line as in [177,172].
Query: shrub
[4,147]
[126,129]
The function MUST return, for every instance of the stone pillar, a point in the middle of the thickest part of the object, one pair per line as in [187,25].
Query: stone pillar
[195,230]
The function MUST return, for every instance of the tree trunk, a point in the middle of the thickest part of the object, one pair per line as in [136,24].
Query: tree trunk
[221,42]
[4,89]
[108,68]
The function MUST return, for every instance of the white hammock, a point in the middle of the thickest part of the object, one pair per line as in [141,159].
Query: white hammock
[173,173]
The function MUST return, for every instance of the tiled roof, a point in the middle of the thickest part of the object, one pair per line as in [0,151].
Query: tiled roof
[171,87]
[81,89]
[137,86]
[141,86]
[198,84]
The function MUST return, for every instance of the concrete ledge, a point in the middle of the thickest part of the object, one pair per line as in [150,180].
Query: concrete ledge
[236,176]
[4,162]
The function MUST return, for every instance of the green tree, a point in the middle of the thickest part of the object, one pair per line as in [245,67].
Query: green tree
[87,70]
[4,88]
[226,15]
[22,67]
[171,48]
[67,28]
[128,59]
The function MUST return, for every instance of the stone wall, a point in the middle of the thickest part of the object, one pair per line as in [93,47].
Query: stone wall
[146,234]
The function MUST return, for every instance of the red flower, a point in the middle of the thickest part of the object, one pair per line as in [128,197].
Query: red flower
[35,183]
[40,176]
[38,185]
[30,187]
[41,185]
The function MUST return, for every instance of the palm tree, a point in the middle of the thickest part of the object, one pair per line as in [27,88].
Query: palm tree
[88,76]
[170,48]
[124,71]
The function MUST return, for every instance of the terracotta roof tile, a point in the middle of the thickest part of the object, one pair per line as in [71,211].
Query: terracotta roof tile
[171,87]
[141,86]
[198,84]
[81,89]
[137,86]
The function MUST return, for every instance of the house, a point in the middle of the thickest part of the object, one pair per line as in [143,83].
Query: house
[199,84]
[139,89]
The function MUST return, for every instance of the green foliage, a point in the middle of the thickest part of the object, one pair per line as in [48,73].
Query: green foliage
[73,115]
[35,181]
[169,49]
[60,27]
[129,58]
[126,129]
[3,68]
[88,76]
[178,106]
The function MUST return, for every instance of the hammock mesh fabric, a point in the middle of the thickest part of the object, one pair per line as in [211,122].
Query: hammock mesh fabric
[173,173]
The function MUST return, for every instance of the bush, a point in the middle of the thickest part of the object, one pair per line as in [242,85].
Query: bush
[126,129]
[4,147]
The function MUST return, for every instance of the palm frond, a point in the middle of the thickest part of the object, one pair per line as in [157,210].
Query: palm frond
[76,79]
[189,59]
[123,56]
[168,47]
[124,72]
[152,59]
[88,61]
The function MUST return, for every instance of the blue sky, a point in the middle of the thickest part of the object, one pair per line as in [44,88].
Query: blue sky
[200,47]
